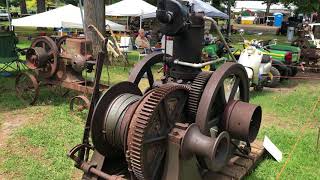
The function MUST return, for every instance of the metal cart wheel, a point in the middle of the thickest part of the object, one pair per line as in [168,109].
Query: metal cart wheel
[27,88]
[79,103]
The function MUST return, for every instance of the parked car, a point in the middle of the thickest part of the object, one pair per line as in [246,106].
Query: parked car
[4,15]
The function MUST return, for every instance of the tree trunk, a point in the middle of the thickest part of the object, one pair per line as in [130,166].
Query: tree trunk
[94,14]
[268,8]
[23,7]
[41,6]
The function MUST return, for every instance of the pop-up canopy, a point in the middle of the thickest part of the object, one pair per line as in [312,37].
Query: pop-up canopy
[68,16]
[130,8]
[198,6]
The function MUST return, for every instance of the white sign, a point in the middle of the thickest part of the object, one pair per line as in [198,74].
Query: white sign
[272,149]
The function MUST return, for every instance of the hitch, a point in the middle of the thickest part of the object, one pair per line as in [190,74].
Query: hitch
[87,167]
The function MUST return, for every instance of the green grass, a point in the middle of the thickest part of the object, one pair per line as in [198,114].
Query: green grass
[290,112]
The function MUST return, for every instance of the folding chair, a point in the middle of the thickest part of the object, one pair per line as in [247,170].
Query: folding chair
[125,45]
[9,53]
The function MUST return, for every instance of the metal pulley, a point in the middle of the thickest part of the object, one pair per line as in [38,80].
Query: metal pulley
[242,120]
[215,149]
[42,56]
[36,57]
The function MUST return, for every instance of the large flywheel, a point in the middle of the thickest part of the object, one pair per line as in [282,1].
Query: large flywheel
[225,92]
[228,83]
[42,56]
[144,68]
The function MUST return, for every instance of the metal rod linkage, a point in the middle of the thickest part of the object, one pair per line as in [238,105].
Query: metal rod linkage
[198,65]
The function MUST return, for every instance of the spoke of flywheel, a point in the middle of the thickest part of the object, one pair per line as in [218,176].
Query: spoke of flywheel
[222,95]
[158,163]
[150,77]
[50,54]
[163,113]
[234,88]
[156,139]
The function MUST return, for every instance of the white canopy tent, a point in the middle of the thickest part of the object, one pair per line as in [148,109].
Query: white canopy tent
[261,6]
[199,6]
[138,8]
[68,16]
[130,8]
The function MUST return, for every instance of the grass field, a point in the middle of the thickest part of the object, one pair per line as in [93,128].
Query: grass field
[34,140]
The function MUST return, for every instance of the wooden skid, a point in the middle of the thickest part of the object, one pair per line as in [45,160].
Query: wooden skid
[239,166]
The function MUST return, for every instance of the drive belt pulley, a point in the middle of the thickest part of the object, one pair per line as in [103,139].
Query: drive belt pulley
[153,119]
[109,123]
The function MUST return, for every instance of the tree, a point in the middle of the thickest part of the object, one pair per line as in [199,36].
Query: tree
[305,6]
[41,6]
[23,7]
[220,4]
[269,3]
[94,14]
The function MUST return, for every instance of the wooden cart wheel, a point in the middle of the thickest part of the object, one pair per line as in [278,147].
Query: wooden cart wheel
[27,88]
[79,103]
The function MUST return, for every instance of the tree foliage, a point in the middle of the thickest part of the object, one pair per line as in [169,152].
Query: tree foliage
[304,6]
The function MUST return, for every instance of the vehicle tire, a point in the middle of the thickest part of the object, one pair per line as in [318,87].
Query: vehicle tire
[274,78]
[284,73]
[294,71]
[258,88]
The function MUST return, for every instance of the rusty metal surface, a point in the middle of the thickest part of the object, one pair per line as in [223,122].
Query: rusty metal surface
[61,43]
[98,124]
[196,91]
[213,100]
[51,49]
[27,87]
[144,66]
[242,120]
[215,149]
[154,118]
[75,46]
[79,103]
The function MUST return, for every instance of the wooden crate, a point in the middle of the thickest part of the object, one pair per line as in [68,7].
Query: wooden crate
[239,166]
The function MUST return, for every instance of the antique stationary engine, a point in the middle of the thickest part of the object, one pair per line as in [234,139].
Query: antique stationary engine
[64,60]
[185,126]
[61,63]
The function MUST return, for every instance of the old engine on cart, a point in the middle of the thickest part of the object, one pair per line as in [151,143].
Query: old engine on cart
[184,126]
[60,63]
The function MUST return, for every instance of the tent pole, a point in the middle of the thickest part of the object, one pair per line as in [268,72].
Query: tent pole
[127,28]
[229,20]
[9,14]
[140,21]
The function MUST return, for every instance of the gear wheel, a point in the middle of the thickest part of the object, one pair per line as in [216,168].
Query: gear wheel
[196,91]
[153,119]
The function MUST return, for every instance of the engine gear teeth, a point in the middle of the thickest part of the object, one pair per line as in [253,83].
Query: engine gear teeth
[139,125]
[196,91]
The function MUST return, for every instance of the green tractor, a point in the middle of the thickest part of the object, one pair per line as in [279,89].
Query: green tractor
[285,58]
